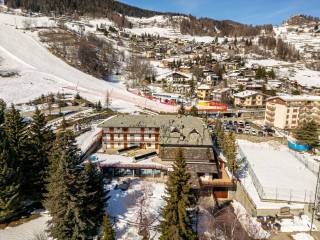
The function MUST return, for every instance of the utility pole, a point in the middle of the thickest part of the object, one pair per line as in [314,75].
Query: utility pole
[315,203]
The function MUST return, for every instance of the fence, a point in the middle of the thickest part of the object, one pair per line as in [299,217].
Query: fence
[311,165]
[275,193]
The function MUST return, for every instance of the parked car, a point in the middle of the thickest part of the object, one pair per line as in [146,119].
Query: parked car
[253,132]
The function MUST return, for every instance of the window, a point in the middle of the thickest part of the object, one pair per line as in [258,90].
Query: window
[288,110]
[294,116]
[118,135]
[149,135]
[132,135]
[149,144]
[295,110]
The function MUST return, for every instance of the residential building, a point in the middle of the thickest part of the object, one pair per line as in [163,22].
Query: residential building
[166,135]
[287,112]
[204,92]
[221,95]
[249,99]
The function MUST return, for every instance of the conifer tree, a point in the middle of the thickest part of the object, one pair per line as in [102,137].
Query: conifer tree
[64,186]
[176,223]
[39,145]
[15,131]
[10,178]
[94,198]
[15,135]
[230,151]
[308,134]
[107,230]
[75,197]
[2,111]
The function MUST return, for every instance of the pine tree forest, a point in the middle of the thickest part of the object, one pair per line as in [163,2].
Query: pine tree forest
[38,166]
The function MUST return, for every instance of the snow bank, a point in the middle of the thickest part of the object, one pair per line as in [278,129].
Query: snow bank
[123,206]
[297,224]
[302,236]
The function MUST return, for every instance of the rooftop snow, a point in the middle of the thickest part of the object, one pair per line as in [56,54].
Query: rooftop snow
[245,94]
[279,173]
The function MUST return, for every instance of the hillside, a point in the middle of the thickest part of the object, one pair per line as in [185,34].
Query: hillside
[118,12]
[38,71]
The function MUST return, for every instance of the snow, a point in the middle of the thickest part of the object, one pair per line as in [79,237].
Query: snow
[250,224]
[123,205]
[162,26]
[248,185]
[26,231]
[41,72]
[297,224]
[278,174]
[103,158]
[294,72]
[246,93]
[302,236]
[301,40]
[85,140]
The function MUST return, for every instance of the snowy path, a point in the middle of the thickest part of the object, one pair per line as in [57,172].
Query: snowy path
[30,57]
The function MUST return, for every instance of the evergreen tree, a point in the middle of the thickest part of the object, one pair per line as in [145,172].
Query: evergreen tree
[99,106]
[15,134]
[2,111]
[176,223]
[272,74]
[10,178]
[94,199]
[39,145]
[194,111]
[308,134]
[15,130]
[107,231]
[75,197]
[230,152]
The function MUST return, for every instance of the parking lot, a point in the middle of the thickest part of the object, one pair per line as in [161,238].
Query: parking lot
[246,127]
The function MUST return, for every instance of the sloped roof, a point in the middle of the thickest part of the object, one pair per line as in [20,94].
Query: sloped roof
[191,130]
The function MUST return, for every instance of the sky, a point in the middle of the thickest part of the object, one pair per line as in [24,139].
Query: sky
[245,11]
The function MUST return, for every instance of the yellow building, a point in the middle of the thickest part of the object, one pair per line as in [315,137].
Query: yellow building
[204,92]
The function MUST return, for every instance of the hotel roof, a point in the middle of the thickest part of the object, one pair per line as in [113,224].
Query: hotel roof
[174,129]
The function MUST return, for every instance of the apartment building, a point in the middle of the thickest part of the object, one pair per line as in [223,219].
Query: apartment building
[249,99]
[167,135]
[287,112]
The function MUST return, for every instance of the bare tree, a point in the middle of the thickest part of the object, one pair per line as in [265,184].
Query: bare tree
[145,218]
[141,72]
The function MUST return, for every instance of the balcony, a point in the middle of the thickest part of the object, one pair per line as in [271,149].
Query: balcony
[271,108]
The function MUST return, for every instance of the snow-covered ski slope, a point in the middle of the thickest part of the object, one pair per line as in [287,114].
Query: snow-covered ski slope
[41,72]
